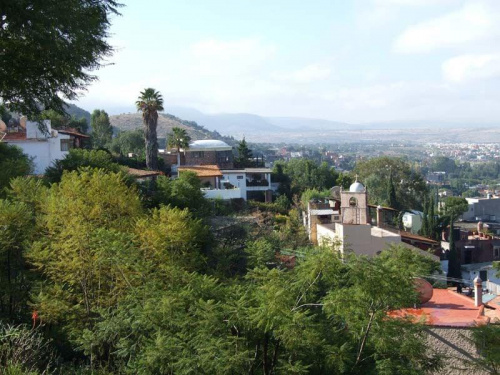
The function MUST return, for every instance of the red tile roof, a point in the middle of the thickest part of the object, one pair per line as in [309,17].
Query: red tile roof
[417,237]
[14,136]
[446,309]
[74,132]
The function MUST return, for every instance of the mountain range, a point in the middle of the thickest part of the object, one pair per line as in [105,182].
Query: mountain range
[264,129]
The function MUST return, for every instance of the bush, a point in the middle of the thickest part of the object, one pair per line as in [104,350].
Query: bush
[24,350]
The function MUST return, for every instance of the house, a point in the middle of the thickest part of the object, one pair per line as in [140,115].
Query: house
[482,209]
[449,317]
[209,152]
[485,272]
[255,183]
[247,183]
[44,147]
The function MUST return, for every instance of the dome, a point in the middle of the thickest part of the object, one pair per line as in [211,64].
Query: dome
[357,187]
[209,144]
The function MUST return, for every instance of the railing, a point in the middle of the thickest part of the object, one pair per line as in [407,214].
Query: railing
[493,288]
[222,193]
[263,182]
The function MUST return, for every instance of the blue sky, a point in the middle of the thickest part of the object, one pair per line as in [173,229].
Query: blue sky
[353,61]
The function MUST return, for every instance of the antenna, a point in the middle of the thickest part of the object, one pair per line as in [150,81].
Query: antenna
[22,122]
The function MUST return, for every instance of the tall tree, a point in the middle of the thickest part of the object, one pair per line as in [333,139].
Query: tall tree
[48,49]
[179,138]
[391,193]
[149,103]
[454,207]
[102,130]
[244,158]
[13,163]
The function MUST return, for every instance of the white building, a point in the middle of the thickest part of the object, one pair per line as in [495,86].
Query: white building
[482,209]
[43,147]
[353,232]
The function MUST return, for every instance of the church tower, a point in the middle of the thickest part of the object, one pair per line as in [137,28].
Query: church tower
[354,204]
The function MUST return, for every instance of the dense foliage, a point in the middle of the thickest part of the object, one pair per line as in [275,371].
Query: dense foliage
[101,128]
[392,182]
[13,163]
[36,67]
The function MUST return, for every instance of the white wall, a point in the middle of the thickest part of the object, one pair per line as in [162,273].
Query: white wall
[361,239]
[44,151]
[240,183]
[222,194]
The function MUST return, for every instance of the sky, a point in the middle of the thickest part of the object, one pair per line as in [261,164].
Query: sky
[356,61]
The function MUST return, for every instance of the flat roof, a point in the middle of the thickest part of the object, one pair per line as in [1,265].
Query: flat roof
[247,170]
[323,211]
[446,308]
[209,170]
[139,173]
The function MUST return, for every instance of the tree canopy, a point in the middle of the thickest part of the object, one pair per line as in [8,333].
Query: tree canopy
[150,102]
[49,48]
[13,163]
[102,131]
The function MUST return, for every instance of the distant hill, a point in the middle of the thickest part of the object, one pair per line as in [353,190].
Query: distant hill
[132,121]
[78,112]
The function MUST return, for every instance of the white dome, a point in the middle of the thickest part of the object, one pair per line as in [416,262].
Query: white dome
[209,144]
[357,187]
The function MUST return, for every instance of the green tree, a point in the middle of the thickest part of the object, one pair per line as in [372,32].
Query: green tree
[86,251]
[102,131]
[410,187]
[149,103]
[32,83]
[179,138]
[61,120]
[391,193]
[454,207]
[245,157]
[80,158]
[126,142]
[13,163]
[15,231]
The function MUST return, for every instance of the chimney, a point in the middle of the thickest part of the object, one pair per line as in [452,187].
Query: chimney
[379,216]
[478,291]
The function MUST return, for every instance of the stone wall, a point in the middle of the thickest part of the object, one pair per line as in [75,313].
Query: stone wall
[455,347]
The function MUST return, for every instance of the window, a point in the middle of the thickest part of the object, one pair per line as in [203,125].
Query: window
[239,177]
[496,252]
[66,144]
[198,154]
[353,202]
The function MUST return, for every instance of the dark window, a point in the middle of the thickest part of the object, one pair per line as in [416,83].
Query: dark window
[239,177]
[483,275]
[66,144]
[198,154]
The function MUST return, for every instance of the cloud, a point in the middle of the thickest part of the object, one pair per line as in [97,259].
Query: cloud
[473,22]
[307,74]
[218,57]
[466,68]
[410,2]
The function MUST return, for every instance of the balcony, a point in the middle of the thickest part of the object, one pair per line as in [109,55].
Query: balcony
[224,194]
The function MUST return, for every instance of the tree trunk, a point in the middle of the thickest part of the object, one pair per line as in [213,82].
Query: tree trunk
[151,141]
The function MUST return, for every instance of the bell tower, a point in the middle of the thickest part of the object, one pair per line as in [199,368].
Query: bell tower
[354,204]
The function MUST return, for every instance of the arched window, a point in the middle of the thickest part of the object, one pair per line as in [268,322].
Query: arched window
[353,202]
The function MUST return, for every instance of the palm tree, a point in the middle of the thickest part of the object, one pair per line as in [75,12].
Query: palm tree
[179,138]
[149,103]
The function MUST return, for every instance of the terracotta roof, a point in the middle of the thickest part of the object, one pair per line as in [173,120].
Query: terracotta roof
[417,237]
[74,132]
[139,173]
[447,309]
[203,170]
[14,136]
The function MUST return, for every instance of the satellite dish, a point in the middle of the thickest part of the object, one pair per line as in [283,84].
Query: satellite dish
[22,122]
[424,289]
[3,127]
[54,133]
[335,192]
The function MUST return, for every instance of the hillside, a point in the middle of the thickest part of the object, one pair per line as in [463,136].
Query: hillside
[131,121]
